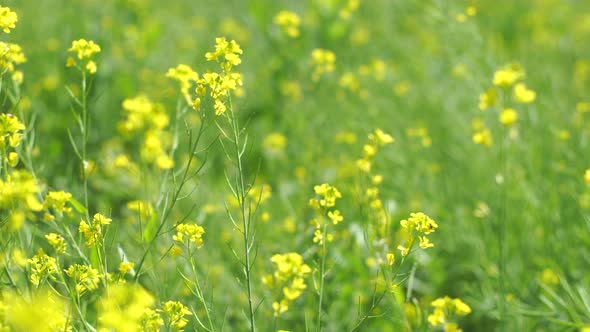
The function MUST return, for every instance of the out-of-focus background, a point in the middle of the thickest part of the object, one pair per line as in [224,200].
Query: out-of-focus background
[515,206]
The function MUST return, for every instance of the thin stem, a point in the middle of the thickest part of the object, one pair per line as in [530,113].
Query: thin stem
[241,196]
[322,278]
[199,289]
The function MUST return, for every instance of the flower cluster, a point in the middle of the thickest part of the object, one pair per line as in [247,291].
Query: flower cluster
[175,312]
[42,310]
[85,277]
[377,139]
[186,77]
[289,278]
[149,121]
[508,77]
[85,51]
[10,56]
[289,23]
[444,308]
[322,62]
[56,201]
[327,199]
[8,19]
[18,194]
[217,85]
[189,233]
[420,225]
[42,266]
[123,308]
[57,242]
[93,231]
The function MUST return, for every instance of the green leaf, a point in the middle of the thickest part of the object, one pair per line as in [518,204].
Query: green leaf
[78,206]
[150,229]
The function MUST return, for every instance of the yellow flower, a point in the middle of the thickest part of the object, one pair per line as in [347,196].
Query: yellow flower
[587,176]
[289,275]
[275,143]
[42,267]
[193,232]
[57,242]
[524,95]
[335,216]
[175,312]
[488,99]
[289,22]
[123,307]
[508,117]
[483,137]
[508,75]
[8,19]
[10,55]
[84,49]
[85,277]
[322,62]
[390,259]
[126,267]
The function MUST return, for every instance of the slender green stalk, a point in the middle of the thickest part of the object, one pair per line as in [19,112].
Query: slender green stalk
[241,193]
[200,290]
[192,149]
[501,235]
[322,279]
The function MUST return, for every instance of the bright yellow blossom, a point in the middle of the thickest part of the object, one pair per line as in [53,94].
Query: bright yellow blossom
[289,22]
[524,95]
[508,117]
[8,19]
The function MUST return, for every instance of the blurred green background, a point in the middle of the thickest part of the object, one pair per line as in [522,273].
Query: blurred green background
[414,68]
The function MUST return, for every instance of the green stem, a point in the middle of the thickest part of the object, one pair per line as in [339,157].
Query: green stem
[241,196]
[322,277]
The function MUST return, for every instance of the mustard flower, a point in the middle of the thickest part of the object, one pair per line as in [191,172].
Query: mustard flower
[380,138]
[194,234]
[85,277]
[508,117]
[488,99]
[19,189]
[335,216]
[508,75]
[42,267]
[8,19]
[228,51]
[151,321]
[289,277]
[85,51]
[185,76]
[175,312]
[275,143]
[329,194]
[41,310]
[123,307]
[289,23]
[524,95]
[587,176]
[322,62]
[126,267]
[92,231]
[57,201]
[445,307]
[11,130]
[10,56]
[57,242]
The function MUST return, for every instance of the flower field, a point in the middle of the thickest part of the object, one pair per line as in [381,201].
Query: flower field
[325,165]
